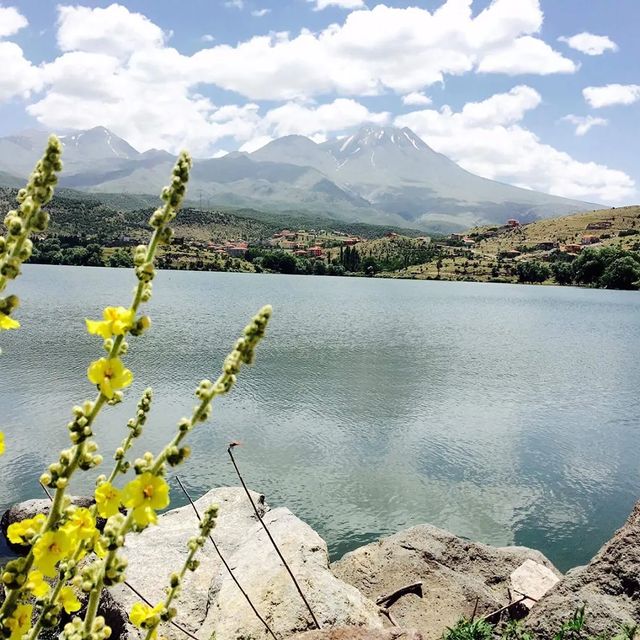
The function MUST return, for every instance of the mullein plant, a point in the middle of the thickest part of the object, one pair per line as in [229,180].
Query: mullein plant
[68,556]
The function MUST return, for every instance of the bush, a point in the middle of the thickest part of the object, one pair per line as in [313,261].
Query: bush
[532,271]
[623,273]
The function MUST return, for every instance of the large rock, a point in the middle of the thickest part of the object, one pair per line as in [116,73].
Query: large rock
[455,573]
[608,587]
[270,588]
[160,550]
[29,509]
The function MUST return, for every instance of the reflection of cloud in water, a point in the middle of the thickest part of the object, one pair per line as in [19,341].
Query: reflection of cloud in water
[498,412]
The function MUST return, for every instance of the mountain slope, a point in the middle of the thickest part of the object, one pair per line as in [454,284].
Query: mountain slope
[399,173]
[378,175]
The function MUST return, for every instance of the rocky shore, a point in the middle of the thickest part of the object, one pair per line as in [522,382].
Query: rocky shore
[413,584]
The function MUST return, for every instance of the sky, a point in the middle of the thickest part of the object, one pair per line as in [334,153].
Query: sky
[543,94]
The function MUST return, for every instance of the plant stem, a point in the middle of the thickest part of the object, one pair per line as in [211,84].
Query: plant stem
[273,542]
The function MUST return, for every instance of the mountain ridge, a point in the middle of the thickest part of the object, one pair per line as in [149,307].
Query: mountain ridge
[378,175]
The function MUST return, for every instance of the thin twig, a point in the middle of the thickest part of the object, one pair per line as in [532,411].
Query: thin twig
[385,611]
[414,587]
[127,584]
[505,608]
[273,542]
[173,622]
[46,491]
[475,608]
[226,565]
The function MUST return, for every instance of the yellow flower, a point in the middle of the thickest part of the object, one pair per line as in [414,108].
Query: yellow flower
[6,322]
[38,586]
[107,500]
[116,321]
[145,494]
[1,443]
[21,532]
[110,375]
[68,600]
[20,621]
[81,524]
[51,548]
[144,616]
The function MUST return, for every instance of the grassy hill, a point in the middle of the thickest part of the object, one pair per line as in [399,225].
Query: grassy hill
[495,253]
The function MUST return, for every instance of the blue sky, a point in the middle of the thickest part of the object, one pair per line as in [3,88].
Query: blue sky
[544,94]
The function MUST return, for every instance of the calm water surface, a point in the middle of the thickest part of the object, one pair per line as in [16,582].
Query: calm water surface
[504,413]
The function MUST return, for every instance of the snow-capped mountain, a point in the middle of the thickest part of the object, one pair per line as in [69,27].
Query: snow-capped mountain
[379,175]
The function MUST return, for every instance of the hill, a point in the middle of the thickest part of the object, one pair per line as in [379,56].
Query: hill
[378,175]
[558,245]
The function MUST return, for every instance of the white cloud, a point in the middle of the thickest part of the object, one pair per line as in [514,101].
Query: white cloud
[207,37]
[234,4]
[342,4]
[611,94]
[526,55]
[255,143]
[342,113]
[19,77]
[487,138]
[260,13]
[401,49]
[584,123]
[416,98]
[589,43]
[11,21]
[114,30]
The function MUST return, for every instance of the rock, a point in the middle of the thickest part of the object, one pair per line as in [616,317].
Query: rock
[608,587]
[359,633]
[532,579]
[270,588]
[455,574]
[160,550]
[29,509]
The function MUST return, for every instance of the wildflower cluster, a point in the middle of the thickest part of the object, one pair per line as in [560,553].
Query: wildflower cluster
[69,558]
[16,247]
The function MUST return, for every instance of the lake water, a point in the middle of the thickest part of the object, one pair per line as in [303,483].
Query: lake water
[508,414]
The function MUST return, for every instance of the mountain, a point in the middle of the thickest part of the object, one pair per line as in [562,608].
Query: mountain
[397,172]
[378,175]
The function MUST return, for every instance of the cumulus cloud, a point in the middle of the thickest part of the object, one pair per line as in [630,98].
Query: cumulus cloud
[234,4]
[260,13]
[416,98]
[487,138]
[311,120]
[611,94]
[208,37]
[117,70]
[19,77]
[589,43]
[113,30]
[584,123]
[342,4]
[11,21]
[401,49]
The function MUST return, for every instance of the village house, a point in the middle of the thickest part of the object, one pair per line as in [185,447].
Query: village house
[571,248]
[315,252]
[602,224]
[585,240]
[512,222]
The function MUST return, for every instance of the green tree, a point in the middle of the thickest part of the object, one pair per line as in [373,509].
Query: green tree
[532,271]
[120,258]
[623,273]
[562,272]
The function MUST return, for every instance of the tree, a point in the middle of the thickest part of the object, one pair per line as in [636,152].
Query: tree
[623,273]
[562,272]
[532,271]
[120,258]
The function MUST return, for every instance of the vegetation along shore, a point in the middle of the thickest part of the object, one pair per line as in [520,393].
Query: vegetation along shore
[596,249]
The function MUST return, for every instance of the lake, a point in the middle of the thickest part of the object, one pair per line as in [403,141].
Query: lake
[507,414]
